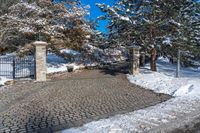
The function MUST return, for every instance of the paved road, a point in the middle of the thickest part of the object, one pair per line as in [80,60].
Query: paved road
[73,100]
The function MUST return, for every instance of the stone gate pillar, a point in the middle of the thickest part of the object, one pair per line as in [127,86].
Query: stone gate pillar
[40,60]
[134,60]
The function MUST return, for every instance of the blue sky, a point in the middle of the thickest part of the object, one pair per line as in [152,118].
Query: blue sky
[95,12]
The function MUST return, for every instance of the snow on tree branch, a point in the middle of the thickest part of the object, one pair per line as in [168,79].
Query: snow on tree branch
[56,20]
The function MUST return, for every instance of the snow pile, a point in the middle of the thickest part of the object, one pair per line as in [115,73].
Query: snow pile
[164,80]
[3,80]
[164,116]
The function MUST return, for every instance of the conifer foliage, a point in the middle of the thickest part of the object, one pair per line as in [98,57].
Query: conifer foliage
[157,26]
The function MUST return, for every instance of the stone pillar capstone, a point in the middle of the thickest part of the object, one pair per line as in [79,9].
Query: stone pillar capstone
[40,60]
[135,60]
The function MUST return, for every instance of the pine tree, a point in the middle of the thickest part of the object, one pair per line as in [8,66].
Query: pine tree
[185,26]
[146,23]
[139,22]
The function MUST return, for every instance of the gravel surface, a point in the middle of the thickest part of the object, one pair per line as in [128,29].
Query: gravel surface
[70,100]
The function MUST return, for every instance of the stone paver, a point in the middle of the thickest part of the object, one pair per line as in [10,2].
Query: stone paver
[73,101]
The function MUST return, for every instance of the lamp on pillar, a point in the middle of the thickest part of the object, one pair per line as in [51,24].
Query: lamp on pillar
[39,28]
[134,54]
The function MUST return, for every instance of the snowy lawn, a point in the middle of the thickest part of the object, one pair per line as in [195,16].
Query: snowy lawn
[164,80]
[168,114]
[58,64]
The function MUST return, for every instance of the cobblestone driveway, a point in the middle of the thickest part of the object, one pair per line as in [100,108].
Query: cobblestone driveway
[72,101]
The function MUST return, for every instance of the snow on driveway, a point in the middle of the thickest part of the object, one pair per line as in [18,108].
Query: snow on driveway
[165,116]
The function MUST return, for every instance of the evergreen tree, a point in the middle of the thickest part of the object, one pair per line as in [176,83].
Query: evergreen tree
[185,30]
[146,23]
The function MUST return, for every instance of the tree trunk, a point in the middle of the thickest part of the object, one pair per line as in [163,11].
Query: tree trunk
[153,59]
[142,60]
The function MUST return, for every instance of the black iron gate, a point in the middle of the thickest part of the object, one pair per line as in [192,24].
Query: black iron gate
[14,67]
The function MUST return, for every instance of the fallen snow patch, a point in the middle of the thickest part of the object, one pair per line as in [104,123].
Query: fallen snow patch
[164,80]
[59,64]
[3,80]
[161,83]
[70,51]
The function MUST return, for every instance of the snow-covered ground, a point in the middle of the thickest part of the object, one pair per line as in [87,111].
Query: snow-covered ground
[174,113]
[3,80]
[164,81]
[59,64]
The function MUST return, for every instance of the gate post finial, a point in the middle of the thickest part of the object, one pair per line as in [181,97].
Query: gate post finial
[40,60]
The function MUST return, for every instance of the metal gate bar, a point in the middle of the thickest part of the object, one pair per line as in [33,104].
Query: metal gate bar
[12,67]
[25,67]
[6,67]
